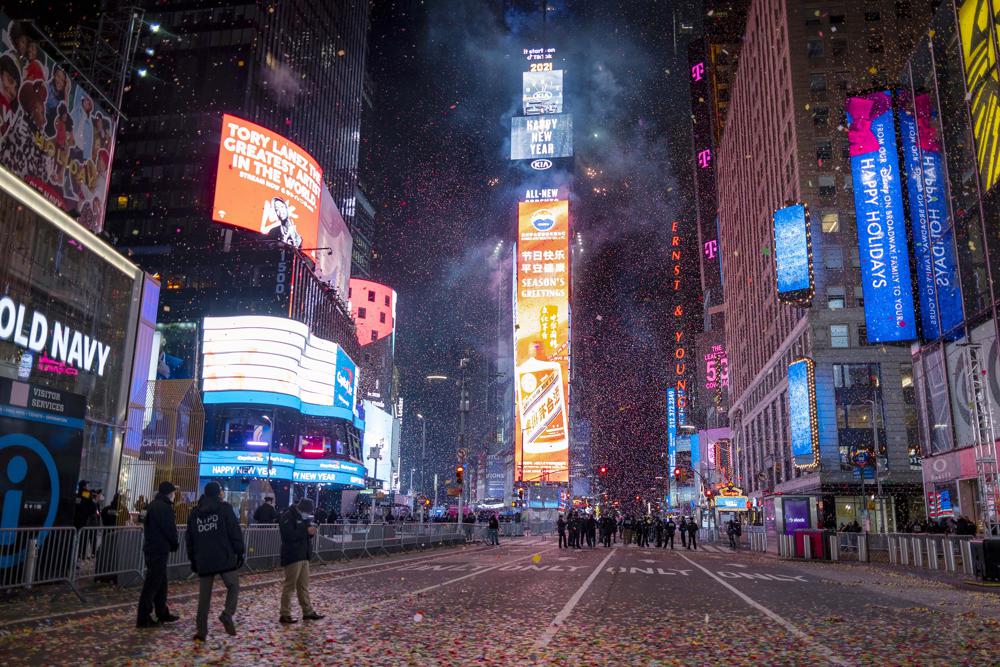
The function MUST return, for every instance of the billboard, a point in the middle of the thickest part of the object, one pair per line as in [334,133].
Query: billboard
[878,204]
[52,134]
[496,476]
[542,92]
[279,466]
[267,184]
[542,353]
[536,137]
[793,254]
[938,285]
[802,413]
[980,58]
[334,265]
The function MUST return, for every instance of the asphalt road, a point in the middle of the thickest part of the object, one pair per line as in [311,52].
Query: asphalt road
[530,603]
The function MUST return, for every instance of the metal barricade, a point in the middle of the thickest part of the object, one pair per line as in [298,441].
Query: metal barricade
[263,547]
[918,552]
[111,555]
[32,556]
[834,547]
[967,557]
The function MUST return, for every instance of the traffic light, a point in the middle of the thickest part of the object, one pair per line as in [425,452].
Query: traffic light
[709,494]
[520,493]
[678,474]
[602,471]
[459,471]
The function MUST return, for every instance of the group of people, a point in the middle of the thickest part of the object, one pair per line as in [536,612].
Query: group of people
[215,548]
[641,531]
[946,526]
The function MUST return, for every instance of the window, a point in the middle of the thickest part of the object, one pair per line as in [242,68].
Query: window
[859,296]
[817,82]
[821,116]
[381,318]
[837,19]
[824,150]
[904,9]
[812,20]
[833,257]
[858,415]
[840,335]
[849,376]
[388,300]
[835,298]
[362,313]
[814,48]
[371,296]
[830,221]
[876,44]
[827,186]
[839,47]
[871,17]
[862,334]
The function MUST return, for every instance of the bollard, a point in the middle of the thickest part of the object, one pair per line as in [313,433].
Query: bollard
[30,560]
[892,542]
[863,547]
[967,557]
[834,547]
[932,553]
[918,553]
[948,546]
[806,548]
[904,551]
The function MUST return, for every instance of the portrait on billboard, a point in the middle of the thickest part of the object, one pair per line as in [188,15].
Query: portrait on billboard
[283,228]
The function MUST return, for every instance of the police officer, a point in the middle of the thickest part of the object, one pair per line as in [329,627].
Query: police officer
[160,541]
[215,547]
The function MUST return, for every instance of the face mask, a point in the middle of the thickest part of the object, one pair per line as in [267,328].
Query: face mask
[307,517]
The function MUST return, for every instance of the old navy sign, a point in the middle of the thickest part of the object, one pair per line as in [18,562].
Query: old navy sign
[31,330]
[878,203]
[933,236]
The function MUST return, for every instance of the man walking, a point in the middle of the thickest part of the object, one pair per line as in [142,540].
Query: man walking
[266,513]
[693,534]
[160,540]
[215,547]
[561,527]
[296,548]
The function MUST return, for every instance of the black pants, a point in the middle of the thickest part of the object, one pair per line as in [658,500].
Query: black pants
[591,539]
[562,541]
[154,588]
[693,540]
[684,538]
[669,539]
[732,540]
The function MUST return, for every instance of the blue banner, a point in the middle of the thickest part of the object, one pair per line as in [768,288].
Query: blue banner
[671,437]
[933,237]
[793,265]
[878,203]
[802,412]
[346,384]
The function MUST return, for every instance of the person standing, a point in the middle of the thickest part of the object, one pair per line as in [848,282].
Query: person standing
[494,527]
[266,513]
[215,547]
[561,527]
[160,540]
[85,515]
[693,534]
[296,548]
[591,531]
[668,533]
[684,531]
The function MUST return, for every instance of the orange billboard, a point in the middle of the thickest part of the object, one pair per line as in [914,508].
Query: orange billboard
[542,353]
[267,184]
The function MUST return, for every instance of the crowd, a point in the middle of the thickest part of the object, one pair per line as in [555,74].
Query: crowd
[577,529]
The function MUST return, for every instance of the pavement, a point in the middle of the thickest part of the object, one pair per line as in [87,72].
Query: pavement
[527,602]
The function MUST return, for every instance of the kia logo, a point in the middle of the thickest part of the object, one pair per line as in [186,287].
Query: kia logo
[541,96]
[541,164]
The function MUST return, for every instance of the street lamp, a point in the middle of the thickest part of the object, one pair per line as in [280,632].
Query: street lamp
[423,449]
[880,518]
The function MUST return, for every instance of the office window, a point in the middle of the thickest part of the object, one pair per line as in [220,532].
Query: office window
[830,221]
[839,47]
[851,376]
[837,19]
[833,257]
[381,318]
[827,186]
[362,313]
[871,17]
[388,300]
[876,44]
[817,82]
[824,150]
[859,297]
[814,48]
[835,298]
[371,296]
[840,335]
[821,116]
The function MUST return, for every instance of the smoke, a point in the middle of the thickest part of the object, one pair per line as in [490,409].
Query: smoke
[283,83]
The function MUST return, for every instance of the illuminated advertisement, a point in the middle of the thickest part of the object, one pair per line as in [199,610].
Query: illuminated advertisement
[329,471]
[716,368]
[933,236]
[276,361]
[535,137]
[267,184]
[52,134]
[802,413]
[333,266]
[542,351]
[671,436]
[278,466]
[878,204]
[542,92]
[793,254]
[731,503]
[980,58]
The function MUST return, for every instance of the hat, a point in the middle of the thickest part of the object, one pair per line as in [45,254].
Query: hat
[213,490]
[167,488]
[268,499]
[305,505]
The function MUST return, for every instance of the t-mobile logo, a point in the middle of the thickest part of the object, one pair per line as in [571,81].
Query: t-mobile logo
[712,248]
[698,71]
[704,158]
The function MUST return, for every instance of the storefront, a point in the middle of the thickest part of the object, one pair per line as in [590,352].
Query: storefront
[73,313]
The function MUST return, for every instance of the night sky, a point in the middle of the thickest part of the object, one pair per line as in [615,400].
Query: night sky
[434,153]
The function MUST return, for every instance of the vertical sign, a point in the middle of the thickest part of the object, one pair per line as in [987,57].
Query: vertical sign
[542,351]
[802,413]
[678,273]
[933,236]
[671,436]
[793,255]
[980,58]
[878,203]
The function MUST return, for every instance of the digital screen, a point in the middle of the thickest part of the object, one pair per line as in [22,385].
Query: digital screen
[329,471]
[496,476]
[716,367]
[542,92]
[980,58]
[792,259]
[534,137]
[267,184]
[276,361]
[933,236]
[878,204]
[796,513]
[235,463]
[542,352]
[671,434]
[731,503]
[333,266]
[802,412]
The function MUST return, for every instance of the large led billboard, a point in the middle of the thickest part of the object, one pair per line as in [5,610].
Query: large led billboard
[267,184]
[333,266]
[878,204]
[279,466]
[933,235]
[542,351]
[541,137]
[980,58]
[793,254]
[802,413]
[542,92]
[276,361]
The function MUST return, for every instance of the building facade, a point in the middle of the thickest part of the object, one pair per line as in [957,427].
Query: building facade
[784,141]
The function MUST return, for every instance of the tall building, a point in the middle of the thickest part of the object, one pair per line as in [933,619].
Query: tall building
[784,141]
[363,232]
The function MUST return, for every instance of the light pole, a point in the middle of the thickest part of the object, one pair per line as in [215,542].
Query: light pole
[410,487]
[423,451]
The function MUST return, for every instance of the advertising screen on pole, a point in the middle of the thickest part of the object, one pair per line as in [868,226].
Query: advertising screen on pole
[933,235]
[534,137]
[802,413]
[542,92]
[542,353]
[267,184]
[793,254]
[878,204]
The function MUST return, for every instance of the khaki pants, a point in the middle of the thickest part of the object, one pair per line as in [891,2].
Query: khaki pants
[297,580]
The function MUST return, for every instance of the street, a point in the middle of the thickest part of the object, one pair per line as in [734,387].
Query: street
[528,602]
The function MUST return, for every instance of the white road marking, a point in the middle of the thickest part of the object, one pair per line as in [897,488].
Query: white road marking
[567,609]
[774,616]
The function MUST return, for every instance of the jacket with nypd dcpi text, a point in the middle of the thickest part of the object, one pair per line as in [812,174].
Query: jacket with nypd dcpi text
[214,539]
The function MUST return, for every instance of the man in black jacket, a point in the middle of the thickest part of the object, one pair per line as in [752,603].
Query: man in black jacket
[297,530]
[160,540]
[215,547]
[266,512]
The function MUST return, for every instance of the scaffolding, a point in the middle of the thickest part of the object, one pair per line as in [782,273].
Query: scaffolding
[985,438]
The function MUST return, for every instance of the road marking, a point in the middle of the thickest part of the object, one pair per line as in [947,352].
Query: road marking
[564,613]
[774,616]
